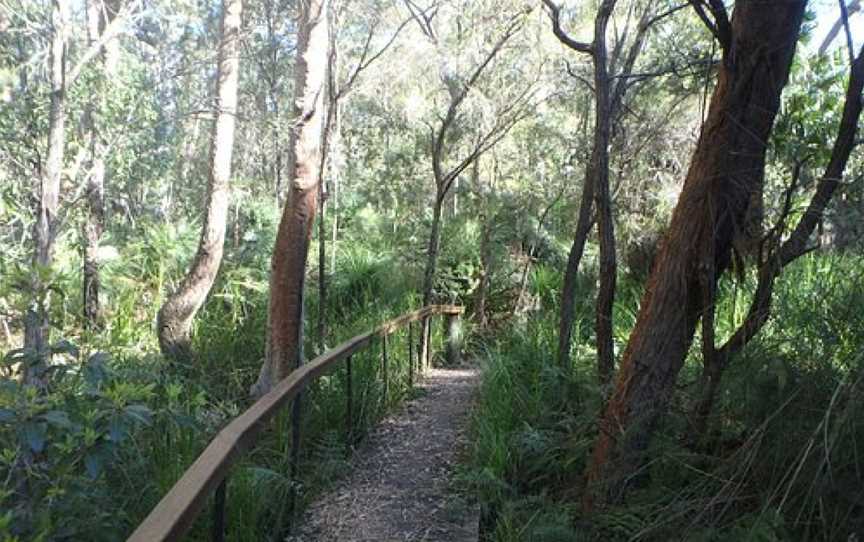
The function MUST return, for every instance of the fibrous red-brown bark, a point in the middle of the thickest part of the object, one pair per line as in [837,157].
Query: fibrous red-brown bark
[725,170]
[174,321]
[288,265]
[787,252]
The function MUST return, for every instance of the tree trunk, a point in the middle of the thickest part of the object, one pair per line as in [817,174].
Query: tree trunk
[322,268]
[36,322]
[794,247]
[726,168]
[431,268]
[485,264]
[432,250]
[174,321]
[567,311]
[324,190]
[605,222]
[97,17]
[336,161]
[288,266]
[608,99]
[485,246]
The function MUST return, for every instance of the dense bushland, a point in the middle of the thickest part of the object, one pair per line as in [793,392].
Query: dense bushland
[119,423]
[196,197]
[780,460]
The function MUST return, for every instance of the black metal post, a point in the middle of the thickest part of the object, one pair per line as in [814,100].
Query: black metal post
[349,400]
[384,369]
[453,339]
[410,355]
[219,512]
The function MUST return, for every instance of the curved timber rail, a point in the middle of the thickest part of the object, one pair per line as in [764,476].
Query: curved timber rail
[179,508]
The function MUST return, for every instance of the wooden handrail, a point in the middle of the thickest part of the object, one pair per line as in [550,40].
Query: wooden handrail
[174,514]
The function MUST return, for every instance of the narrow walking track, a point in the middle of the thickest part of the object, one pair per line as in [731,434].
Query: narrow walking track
[400,486]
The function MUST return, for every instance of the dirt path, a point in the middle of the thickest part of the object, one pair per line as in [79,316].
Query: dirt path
[400,486]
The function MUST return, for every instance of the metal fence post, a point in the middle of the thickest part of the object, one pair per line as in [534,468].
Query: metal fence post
[410,355]
[219,512]
[384,368]
[349,400]
[453,339]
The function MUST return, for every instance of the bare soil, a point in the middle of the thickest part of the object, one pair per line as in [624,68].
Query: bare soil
[400,486]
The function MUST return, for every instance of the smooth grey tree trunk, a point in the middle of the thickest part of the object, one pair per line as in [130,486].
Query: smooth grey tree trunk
[98,14]
[174,321]
[36,322]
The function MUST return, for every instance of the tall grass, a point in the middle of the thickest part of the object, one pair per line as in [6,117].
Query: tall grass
[784,458]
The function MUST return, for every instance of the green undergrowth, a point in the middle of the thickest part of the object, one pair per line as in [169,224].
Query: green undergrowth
[782,458]
[119,425]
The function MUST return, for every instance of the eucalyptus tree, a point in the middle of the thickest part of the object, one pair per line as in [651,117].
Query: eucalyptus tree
[445,169]
[284,347]
[726,169]
[778,251]
[99,14]
[458,136]
[611,79]
[174,321]
[48,183]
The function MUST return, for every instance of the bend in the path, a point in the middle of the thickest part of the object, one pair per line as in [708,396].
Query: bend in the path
[400,486]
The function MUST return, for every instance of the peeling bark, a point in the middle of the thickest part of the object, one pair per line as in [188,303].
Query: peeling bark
[290,254]
[726,169]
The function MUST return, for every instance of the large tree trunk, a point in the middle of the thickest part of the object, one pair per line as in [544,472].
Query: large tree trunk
[288,266]
[36,323]
[793,248]
[97,17]
[174,321]
[726,168]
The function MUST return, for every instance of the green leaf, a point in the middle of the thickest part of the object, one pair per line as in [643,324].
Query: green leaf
[34,434]
[139,413]
[58,418]
[6,415]
[93,463]
[116,429]
[95,372]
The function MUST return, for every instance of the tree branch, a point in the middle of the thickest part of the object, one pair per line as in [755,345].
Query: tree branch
[456,99]
[796,245]
[555,16]
[854,7]
[423,20]
[720,26]
[111,31]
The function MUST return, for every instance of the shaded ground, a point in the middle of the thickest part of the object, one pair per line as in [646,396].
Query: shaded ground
[400,486]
